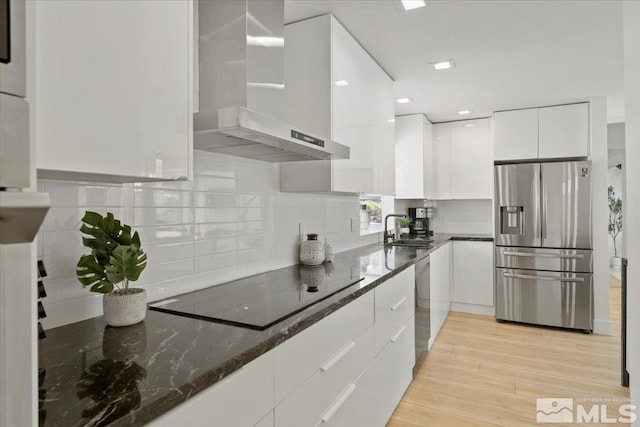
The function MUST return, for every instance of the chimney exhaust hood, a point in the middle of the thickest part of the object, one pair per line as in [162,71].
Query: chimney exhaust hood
[241,86]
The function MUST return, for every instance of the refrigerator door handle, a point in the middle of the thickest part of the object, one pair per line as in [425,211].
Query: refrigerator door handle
[543,207]
[545,278]
[543,255]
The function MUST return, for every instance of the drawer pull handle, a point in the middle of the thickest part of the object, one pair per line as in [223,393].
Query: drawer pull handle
[397,336]
[398,304]
[337,357]
[334,408]
[544,278]
[542,255]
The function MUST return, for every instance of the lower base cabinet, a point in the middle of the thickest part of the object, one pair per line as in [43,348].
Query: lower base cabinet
[242,399]
[379,389]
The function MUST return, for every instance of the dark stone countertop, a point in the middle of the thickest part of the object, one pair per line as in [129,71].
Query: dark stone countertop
[96,375]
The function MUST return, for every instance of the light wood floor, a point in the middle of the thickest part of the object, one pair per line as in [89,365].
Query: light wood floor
[481,372]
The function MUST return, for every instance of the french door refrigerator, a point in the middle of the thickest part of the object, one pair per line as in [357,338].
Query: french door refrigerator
[543,243]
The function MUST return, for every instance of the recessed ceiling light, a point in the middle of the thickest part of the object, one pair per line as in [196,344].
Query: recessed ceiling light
[404,100]
[469,125]
[444,65]
[412,4]
[464,112]
[342,83]
[391,120]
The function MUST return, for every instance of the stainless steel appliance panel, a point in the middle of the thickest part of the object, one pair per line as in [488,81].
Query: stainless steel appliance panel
[422,311]
[12,56]
[517,205]
[566,205]
[572,260]
[546,298]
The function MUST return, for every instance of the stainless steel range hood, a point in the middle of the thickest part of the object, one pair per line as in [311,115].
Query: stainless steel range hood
[241,86]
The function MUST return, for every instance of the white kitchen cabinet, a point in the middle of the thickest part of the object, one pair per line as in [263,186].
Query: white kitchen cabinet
[542,133]
[241,399]
[563,131]
[114,90]
[442,160]
[473,277]
[394,304]
[378,391]
[414,157]
[335,89]
[440,275]
[462,160]
[471,164]
[515,134]
[319,397]
[304,355]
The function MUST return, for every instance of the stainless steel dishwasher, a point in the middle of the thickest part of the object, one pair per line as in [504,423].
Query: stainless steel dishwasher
[423,312]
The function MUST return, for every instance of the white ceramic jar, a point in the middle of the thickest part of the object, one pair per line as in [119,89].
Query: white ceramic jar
[311,251]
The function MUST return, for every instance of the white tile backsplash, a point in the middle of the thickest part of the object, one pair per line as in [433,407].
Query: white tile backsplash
[455,216]
[230,222]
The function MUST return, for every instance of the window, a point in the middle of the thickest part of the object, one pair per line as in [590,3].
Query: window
[373,208]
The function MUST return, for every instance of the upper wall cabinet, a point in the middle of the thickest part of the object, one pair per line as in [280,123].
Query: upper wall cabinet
[542,133]
[114,90]
[334,88]
[462,160]
[414,157]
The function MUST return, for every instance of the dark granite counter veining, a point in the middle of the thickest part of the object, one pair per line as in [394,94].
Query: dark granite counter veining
[97,375]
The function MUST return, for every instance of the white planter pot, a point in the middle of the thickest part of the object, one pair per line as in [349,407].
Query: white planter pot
[404,230]
[124,309]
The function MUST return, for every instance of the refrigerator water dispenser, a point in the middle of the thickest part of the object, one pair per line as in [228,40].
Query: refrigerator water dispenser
[512,219]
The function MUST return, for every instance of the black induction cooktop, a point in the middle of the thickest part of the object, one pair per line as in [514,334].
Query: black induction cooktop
[261,301]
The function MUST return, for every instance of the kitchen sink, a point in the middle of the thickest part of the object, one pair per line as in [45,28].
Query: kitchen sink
[413,243]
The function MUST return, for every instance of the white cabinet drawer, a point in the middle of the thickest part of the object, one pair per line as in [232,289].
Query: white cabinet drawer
[318,399]
[394,305]
[378,391]
[242,399]
[298,358]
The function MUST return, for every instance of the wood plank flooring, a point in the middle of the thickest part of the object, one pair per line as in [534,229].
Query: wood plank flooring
[484,373]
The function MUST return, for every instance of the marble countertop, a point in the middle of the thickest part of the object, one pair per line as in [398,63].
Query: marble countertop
[96,375]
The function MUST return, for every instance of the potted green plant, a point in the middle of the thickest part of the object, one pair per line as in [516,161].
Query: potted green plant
[116,258]
[615,223]
[404,224]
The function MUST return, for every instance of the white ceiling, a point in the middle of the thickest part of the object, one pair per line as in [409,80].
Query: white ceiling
[509,53]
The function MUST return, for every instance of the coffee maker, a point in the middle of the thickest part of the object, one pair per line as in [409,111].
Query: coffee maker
[420,221]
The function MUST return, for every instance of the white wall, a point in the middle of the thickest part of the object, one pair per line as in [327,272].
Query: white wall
[631,14]
[230,222]
[456,216]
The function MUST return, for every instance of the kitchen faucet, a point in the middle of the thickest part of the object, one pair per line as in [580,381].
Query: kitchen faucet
[386,234]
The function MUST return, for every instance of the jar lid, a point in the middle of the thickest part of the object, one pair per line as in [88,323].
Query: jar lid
[312,236]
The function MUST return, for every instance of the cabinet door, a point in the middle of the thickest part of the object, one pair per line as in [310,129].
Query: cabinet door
[114,89]
[410,166]
[473,273]
[515,134]
[471,165]
[353,111]
[440,288]
[442,160]
[428,172]
[564,131]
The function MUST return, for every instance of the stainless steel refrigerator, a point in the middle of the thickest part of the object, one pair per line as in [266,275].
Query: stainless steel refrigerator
[543,243]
